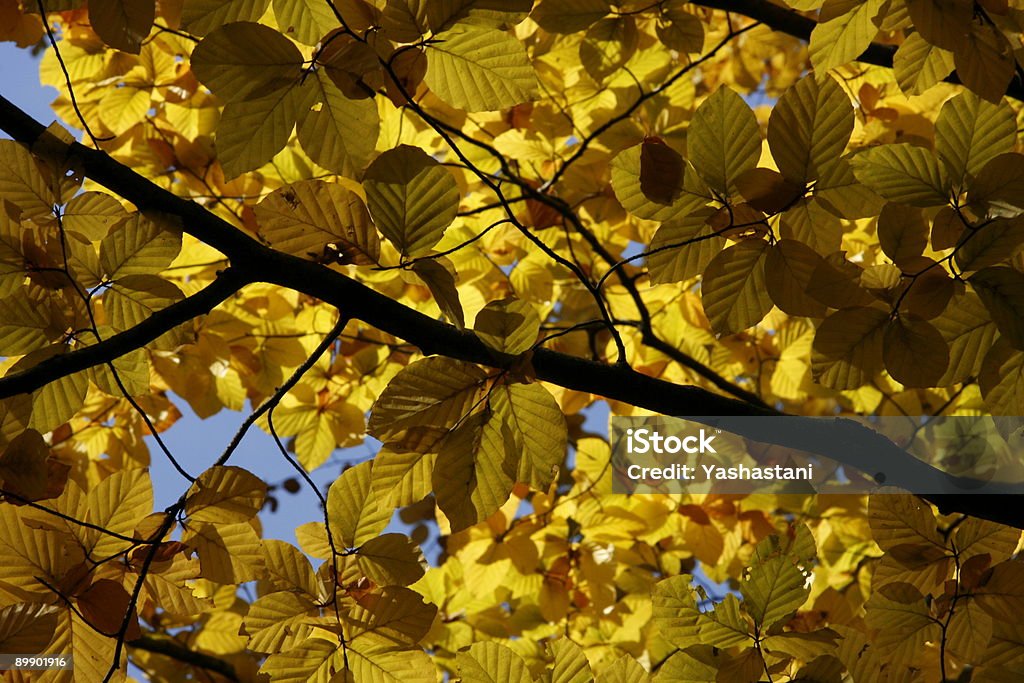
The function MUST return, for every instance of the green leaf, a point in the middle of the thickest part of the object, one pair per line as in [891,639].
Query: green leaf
[352,510]
[733,288]
[142,245]
[970,132]
[310,217]
[413,198]
[491,662]
[1002,379]
[225,494]
[903,173]
[847,349]
[476,467]
[724,139]
[432,392]
[479,69]
[845,29]
[809,127]
[339,133]
[996,242]
[508,326]
[245,60]
[532,411]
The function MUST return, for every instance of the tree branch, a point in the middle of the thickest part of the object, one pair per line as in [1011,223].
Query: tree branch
[844,441]
[799,26]
[169,647]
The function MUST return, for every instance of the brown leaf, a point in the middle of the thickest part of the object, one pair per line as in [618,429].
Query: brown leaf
[661,171]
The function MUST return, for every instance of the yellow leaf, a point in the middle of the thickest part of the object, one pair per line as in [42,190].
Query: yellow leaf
[1002,379]
[570,663]
[899,519]
[845,29]
[305,218]
[682,248]
[919,64]
[228,553]
[200,17]
[509,326]
[723,139]
[374,659]
[279,621]
[433,392]
[22,182]
[401,477]
[117,504]
[626,168]
[809,127]
[305,20]
[139,246]
[479,69]
[733,288]
[680,30]
[338,133]
[412,198]
[391,560]
[122,24]
[132,299]
[25,325]
[243,60]
[901,621]
[252,131]
[313,659]
[476,467]
[27,628]
[93,214]
[396,613]
[725,626]
[488,662]
[608,45]
[675,611]
[531,410]
[985,60]
[225,495]
[352,510]
[288,568]
[438,274]
[23,465]
[683,667]
[968,329]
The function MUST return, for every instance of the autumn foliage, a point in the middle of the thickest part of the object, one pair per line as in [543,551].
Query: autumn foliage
[455,227]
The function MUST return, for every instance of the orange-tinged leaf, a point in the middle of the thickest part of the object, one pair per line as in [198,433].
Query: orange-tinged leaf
[661,171]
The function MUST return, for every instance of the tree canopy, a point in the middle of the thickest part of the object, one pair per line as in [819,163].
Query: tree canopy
[455,226]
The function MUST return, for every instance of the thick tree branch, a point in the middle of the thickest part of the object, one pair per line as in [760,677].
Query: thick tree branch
[797,25]
[26,381]
[841,440]
[169,647]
